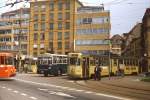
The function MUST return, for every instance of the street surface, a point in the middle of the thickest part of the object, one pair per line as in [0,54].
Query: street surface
[36,87]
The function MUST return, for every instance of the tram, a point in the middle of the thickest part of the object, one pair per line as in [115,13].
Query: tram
[31,63]
[52,64]
[7,68]
[82,65]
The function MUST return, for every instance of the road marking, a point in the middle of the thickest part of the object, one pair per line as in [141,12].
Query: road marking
[3,87]
[34,98]
[16,91]
[73,89]
[112,96]
[79,90]
[65,95]
[9,89]
[43,89]
[23,94]
[89,92]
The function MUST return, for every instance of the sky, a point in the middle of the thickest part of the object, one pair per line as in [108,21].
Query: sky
[124,14]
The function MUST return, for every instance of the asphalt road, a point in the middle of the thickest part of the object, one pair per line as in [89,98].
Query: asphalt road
[19,89]
[35,87]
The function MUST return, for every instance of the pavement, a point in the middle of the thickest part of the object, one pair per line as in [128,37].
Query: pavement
[131,82]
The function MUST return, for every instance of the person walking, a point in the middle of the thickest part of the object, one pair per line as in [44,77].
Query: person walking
[97,72]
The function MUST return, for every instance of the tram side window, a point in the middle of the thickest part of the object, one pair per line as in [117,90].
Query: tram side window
[9,61]
[115,62]
[92,62]
[2,61]
[73,61]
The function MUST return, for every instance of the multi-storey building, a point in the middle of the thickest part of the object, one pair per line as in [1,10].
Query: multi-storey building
[62,26]
[146,38]
[133,42]
[116,41]
[92,30]
[52,26]
[14,26]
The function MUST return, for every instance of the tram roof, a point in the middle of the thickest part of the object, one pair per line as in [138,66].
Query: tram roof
[6,54]
[50,55]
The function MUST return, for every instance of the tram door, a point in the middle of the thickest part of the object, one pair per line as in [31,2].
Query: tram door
[85,67]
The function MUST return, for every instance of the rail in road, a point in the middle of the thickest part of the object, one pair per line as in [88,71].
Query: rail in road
[140,94]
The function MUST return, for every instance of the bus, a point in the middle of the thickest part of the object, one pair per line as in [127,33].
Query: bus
[82,65]
[52,64]
[7,68]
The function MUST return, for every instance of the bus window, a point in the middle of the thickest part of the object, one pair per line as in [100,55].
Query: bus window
[50,61]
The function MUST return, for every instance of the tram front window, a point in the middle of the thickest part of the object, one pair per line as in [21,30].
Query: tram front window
[74,61]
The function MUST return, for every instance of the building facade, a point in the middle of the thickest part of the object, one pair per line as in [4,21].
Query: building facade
[116,42]
[52,26]
[146,38]
[14,25]
[92,30]
[132,43]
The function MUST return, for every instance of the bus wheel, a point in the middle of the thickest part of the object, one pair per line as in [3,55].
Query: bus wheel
[45,74]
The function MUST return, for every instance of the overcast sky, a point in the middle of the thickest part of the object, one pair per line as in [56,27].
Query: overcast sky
[124,13]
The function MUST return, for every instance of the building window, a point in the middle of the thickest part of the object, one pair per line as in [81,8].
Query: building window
[51,45]
[66,45]
[42,36]
[59,35]
[35,26]
[51,16]
[51,35]
[67,6]
[87,20]
[43,26]
[59,45]
[66,35]
[60,5]
[91,42]
[43,17]
[36,17]
[67,25]
[51,26]
[36,8]
[67,15]
[35,54]
[51,6]
[59,25]
[43,7]
[59,16]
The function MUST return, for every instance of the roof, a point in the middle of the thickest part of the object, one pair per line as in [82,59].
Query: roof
[147,13]
[15,11]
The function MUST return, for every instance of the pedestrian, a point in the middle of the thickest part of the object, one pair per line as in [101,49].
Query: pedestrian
[97,72]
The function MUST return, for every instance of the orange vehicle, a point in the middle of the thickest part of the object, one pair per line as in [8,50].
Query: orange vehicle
[7,68]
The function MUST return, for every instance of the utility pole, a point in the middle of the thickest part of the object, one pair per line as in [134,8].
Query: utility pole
[19,40]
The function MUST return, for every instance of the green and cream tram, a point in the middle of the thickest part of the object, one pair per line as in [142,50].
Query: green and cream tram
[52,64]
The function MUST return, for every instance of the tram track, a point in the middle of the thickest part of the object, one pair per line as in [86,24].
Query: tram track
[116,90]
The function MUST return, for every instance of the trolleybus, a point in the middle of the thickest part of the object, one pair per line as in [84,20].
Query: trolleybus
[52,64]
